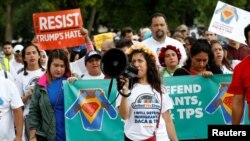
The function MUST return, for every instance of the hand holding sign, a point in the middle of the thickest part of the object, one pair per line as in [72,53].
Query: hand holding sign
[85,33]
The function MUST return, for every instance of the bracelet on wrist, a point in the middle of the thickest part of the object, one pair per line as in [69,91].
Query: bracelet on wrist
[125,95]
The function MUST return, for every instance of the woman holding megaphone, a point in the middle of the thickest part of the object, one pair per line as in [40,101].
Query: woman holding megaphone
[145,108]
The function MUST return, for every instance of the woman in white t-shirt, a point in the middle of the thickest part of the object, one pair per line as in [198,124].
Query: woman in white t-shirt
[28,76]
[141,106]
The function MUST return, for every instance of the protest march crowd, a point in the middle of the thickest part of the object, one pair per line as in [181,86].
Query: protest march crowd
[31,79]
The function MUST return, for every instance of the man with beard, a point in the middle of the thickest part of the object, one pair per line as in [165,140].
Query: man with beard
[159,37]
[8,56]
[8,50]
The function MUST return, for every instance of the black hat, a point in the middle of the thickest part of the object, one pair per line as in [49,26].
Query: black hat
[91,54]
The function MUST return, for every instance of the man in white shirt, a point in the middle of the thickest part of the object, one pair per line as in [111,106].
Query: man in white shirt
[160,39]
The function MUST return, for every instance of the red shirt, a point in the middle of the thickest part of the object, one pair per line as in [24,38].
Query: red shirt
[240,84]
[239,54]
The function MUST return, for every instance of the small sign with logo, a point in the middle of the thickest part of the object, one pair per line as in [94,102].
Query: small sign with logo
[229,21]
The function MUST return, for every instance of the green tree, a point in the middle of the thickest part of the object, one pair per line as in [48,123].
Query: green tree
[110,13]
[206,9]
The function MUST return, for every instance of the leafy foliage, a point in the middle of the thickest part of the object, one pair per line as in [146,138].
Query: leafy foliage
[114,14]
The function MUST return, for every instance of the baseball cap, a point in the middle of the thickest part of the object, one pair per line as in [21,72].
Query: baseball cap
[91,54]
[18,49]
[182,28]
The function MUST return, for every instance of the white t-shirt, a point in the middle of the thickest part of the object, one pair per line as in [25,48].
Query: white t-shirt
[9,99]
[16,66]
[9,76]
[87,76]
[144,110]
[156,46]
[225,70]
[25,82]
[13,71]
[235,63]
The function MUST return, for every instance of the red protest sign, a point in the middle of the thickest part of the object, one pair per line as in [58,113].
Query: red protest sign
[58,29]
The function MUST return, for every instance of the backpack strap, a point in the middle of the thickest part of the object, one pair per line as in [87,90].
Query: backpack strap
[5,74]
[158,121]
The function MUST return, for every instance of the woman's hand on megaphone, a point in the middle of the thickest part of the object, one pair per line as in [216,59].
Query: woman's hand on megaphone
[125,82]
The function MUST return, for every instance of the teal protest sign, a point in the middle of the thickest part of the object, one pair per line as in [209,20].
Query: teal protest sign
[198,102]
[89,114]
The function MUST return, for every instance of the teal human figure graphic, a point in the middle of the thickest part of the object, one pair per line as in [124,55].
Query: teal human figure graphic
[222,101]
[91,104]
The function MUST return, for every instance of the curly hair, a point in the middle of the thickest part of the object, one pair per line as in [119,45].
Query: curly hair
[153,74]
[161,55]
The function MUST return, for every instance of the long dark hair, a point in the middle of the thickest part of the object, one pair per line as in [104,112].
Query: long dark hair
[25,65]
[57,54]
[202,45]
[153,75]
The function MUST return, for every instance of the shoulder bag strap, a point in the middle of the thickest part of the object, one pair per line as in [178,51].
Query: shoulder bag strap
[158,121]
